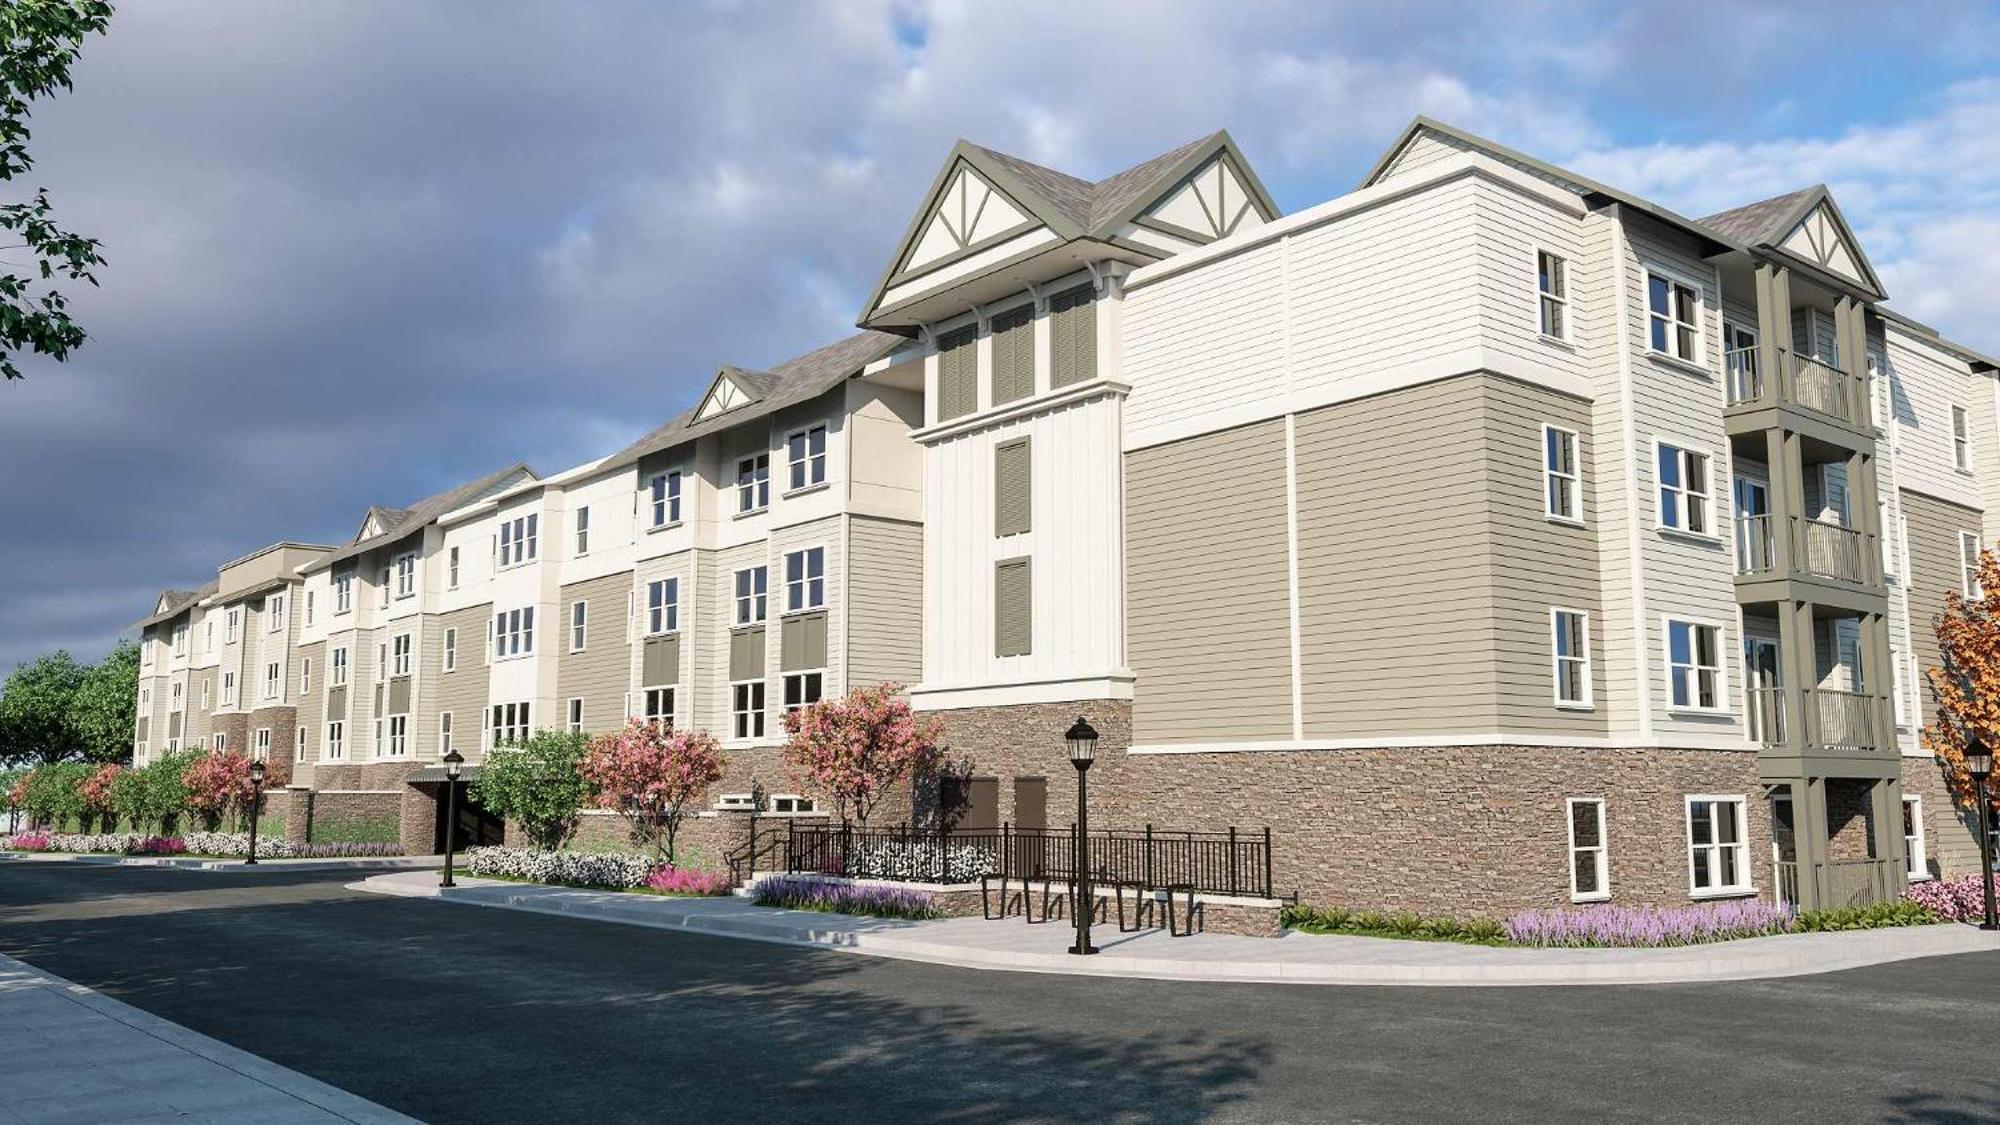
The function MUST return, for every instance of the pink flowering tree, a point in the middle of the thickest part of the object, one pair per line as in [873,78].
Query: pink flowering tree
[96,793]
[218,784]
[649,775]
[856,748]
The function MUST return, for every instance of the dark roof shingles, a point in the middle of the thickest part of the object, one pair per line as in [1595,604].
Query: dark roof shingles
[1756,222]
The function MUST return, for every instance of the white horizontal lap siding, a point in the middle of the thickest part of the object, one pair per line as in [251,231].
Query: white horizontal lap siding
[1926,384]
[1424,148]
[1206,343]
[1513,227]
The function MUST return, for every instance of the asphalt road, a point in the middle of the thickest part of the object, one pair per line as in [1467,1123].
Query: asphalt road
[456,1013]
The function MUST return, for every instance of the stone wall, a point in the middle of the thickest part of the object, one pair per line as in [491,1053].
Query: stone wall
[705,840]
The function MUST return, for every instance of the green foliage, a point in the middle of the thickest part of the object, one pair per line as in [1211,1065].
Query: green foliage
[54,793]
[105,706]
[1874,916]
[153,796]
[38,709]
[539,784]
[352,830]
[1369,923]
[39,40]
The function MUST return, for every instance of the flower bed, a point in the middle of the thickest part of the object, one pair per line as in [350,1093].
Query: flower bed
[27,842]
[1370,923]
[615,872]
[834,896]
[1649,926]
[94,843]
[1954,900]
[919,860]
[682,881]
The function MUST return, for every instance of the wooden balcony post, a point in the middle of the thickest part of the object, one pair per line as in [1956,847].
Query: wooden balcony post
[1774,329]
[1809,833]
[1795,669]
[1886,797]
[1879,678]
[1780,449]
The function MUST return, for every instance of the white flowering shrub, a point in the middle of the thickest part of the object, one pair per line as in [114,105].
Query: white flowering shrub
[575,869]
[238,844]
[117,842]
[921,861]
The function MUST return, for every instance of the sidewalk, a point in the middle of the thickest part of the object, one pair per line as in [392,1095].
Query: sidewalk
[199,863]
[72,1054]
[1012,945]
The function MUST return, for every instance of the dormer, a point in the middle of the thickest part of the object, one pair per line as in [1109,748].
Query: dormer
[732,389]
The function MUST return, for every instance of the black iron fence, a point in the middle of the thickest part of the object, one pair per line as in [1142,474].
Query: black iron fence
[1233,862]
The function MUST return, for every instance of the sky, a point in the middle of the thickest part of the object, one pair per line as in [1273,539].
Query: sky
[361,252]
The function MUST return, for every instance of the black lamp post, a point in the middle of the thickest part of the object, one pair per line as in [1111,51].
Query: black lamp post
[1082,738]
[452,761]
[1979,763]
[256,800]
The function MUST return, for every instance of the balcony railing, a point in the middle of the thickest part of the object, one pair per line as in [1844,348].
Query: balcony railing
[1818,385]
[1830,550]
[1787,879]
[1746,384]
[1766,708]
[1851,882]
[1755,551]
[1843,719]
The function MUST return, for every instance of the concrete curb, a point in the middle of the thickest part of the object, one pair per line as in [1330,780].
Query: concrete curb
[200,863]
[1309,959]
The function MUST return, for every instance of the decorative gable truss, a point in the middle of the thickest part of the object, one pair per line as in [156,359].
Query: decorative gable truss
[1210,203]
[733,387]
[969,215]
[1822,238]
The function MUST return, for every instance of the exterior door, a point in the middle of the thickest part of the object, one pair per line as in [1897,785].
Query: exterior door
[1762,681]
[1031,818]
[1753,526]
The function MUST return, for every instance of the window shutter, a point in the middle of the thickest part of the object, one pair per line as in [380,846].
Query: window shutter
[399,696]
[662,664]
[1072,337]
[958,374]
[1013,621]
[1014,354]
[803,643]
[746,655]
[1013,488]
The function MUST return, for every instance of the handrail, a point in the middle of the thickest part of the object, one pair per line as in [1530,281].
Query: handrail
[1756,550]
[1843,719]
[1830,550]
[1746,383]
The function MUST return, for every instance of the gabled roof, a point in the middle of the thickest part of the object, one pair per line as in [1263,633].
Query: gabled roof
[1827,242]
[791,382]
[1753,222]
[400,522]
[732,389]
[172,603]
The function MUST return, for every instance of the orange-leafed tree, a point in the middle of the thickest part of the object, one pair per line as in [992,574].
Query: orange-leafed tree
[1966,683]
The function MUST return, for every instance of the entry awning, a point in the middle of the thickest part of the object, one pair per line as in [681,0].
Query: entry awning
[436,774]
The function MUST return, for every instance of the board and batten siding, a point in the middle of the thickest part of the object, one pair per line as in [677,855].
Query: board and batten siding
[885,599]
[599,675]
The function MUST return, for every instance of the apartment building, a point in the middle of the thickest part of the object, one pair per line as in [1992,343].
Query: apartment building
[1493,536]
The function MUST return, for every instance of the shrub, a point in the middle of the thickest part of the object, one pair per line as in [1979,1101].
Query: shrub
[96,791]
[538,784]
[28,842]
[228,845]
[1369,923]
[218,784]
[1953,900]
[857,748]
[154,794]
[1874,916]
[681,881]
[569,869]
[649,775]
[344,849]
[1648,926]
[833,896]
[52,793]
[919,860]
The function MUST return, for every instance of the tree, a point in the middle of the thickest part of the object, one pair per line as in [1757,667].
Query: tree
[53,793]
[96,792]
[1966,684]
[854,749]
[156,793]
[217,783]
[539,783]
[38,709]
[648,774]
[105,706]
[13,788]
[39,39]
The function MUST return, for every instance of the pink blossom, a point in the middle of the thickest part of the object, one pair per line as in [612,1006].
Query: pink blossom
[648,774]
[856,748]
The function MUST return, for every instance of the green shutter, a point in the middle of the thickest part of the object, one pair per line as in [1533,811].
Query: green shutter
[1072,337]
[1013,488]
[1014,354]
[802,643]
[958,373]
[399,695]
[746,655]
[662,662]
[1013,614]
[336,703]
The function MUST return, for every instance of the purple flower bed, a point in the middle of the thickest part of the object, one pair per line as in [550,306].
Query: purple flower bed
[1955,900]
[812,892]
[159,845]
[1649,925]
[681,881]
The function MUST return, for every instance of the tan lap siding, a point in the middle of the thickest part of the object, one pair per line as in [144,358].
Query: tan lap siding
[462,691]
[311,709]
[1933,545]
[599,674]
[885,601]
[1207,602]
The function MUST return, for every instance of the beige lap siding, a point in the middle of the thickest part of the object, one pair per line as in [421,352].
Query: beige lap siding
[311,712]
[601,673]
[885,601]
[462,691]
[1934,526]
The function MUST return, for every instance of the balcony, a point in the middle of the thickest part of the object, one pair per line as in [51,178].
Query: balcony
[1842,720]
[1820,548]
[1803,382]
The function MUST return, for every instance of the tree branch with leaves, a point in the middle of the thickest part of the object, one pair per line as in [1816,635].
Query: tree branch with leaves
[1966,683]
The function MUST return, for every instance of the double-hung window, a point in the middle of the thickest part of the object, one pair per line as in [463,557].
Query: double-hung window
[343,592]
[1694,666]
[1685,502]
[1570,657]
[1552,286]
[450,659]
[338,677]
[336,740]
[444,732]
[1968,564]
[510,724]
[1563,475]
[747,708]
[1718,857]
[666,499]
[576,715]
[805,579]
[753,483]
[382,584]
[273,676]
[406,575]
[579,625]
[451,569]
[750,594]
[399,735]
[518,539]
[806,450]
[274,614]
[582,520]
[1918,865]
[180,640]
[1673,311]
[305,676]
[230,625]
[229,689]
[663,605]
[1589,862]
[260,744]
[659,706]
[802,688]
[399,657]
[514,632]
[1961,440]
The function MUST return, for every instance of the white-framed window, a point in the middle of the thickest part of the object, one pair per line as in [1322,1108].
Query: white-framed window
[1694,665]
[1961,440]
[231,622]
[802,688]
[576,715]
[274,675]
[514,632]
[793,803]
[450,662]
[229,689]
[336,740]
[806,452]
[751,585]
[299,744]
[451,568]
[382,583]
[579,625]
[1918,866]
[175,694]
[1589,856]
[1569,656]
[274,613]
[309,607]
[444,733]
[305,676]
[218,741]
[805,579]
[145,698]
[667,499]
[1968,564]
[181,639]
[1718,856]
[1552,291]
[260,744]
[581,530]
[381,663]
[1673,309]
[205,688]
[510,723]
[343,593]
[399,735]
[208,636]
[753,483]
[663,605]
[1563,472]
[338,677]
[399,655]
[658,706]
[1685,500]
[747,708]
[406,575]
[519,538]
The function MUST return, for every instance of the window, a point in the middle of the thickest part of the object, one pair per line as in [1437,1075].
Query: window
[510,723]
[451,569]
[260,743]
[1674,310]
[576,716]
[514,632]
[518,538]
[1718,860]
[309,607]
[1564,494]
[666,499]
[274,614]
[805,579]
[273,676]
[305,675]
[1589,865]
[381,663]
[1684,501]
[1968,564]
[229,689]
[229,626]
[339,675]
[750,587]
[336,744]
[299,745]
[406,575]
[343,592]
[1961,440]
[451,650]
[177,695]
[579,617]
[793,803]
[663,605]
[753,483]
[1552,283]
[659,706]
[382,584]
[218,740]
[444,733]
[399,734]
[1571,656]
[204,694]
[582,519]
[802,688]
[748,708]
[400,655]
[1918,866]
[1694,666]
[807,452]
[180,640]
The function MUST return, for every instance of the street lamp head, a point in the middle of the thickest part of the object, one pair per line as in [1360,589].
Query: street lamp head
[1082,738]
[452,761]
[1978,758]
[257,771]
